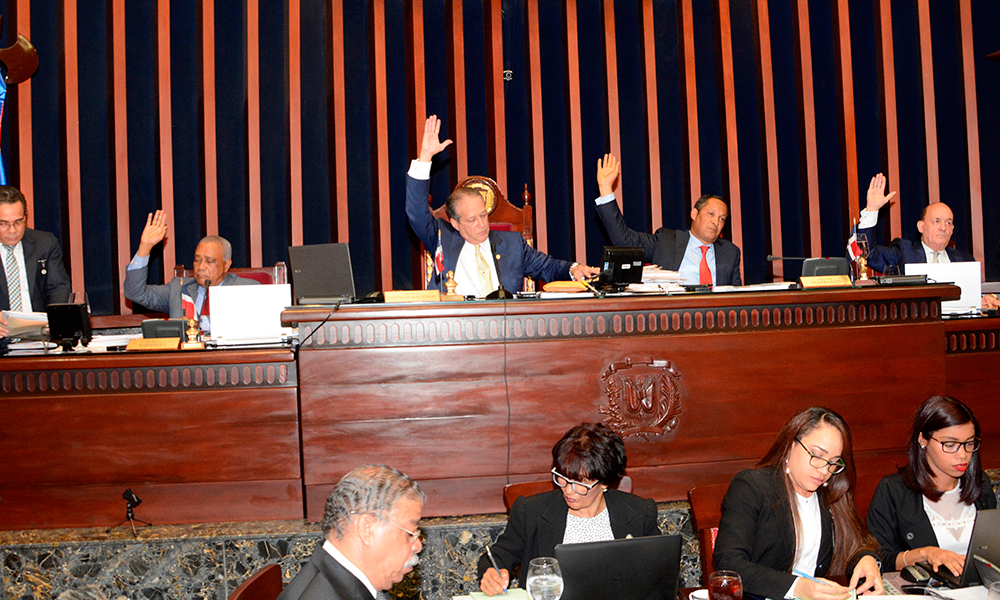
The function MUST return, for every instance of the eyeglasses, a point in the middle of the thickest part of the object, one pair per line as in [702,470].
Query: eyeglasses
[818,462]
[577,486]
[952,447]
[13,224]
[414,535]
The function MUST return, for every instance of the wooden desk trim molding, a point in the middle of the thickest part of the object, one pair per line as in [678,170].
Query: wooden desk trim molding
[972,336]
[476,323]
[132,373]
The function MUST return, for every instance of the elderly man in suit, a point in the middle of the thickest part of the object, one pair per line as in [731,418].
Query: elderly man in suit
[181,297]
[465,239]
[33,275]
[936,225]
[699,254]
[371,538]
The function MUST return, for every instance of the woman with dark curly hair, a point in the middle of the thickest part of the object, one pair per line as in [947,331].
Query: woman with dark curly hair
[792,519]
[587,463]
[925,512]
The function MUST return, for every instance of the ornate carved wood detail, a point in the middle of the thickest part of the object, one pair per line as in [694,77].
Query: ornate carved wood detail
[644,397]
[149,379]
[964,342]
[418,330]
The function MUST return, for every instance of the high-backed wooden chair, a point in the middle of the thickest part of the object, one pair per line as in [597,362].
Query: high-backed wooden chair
[266,275]
[513,491]
[265,584]
[504,216]
[706,511]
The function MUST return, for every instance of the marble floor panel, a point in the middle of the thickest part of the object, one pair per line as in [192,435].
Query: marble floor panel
[209,561]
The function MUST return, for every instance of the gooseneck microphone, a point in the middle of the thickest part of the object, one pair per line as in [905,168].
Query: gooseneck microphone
[500,293]
[772,258]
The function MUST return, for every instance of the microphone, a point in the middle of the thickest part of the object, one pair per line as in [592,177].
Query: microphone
[772,258]
[499,293]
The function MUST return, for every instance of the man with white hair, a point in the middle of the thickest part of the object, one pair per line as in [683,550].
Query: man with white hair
[371,538]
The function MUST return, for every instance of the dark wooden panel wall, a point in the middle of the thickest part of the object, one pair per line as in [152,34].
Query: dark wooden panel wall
[287,122]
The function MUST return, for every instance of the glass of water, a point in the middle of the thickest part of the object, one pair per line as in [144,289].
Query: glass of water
[545,580]
[994,593]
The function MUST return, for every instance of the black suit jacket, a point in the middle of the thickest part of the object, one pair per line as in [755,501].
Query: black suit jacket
[537,524]
[41,253]
[900,252]
[666,247]
[897,519]
[323,578]
[757,537]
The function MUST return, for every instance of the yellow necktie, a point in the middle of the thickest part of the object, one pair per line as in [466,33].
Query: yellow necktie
[485,280]
[936,255]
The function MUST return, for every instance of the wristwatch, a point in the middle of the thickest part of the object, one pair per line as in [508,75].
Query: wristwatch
[571,267]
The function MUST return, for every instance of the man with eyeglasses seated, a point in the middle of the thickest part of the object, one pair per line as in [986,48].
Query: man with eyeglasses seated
[587,463]
[371,538]
[33,274]
[936,225]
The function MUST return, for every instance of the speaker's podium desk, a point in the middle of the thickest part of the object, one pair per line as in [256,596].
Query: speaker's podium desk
[698,385]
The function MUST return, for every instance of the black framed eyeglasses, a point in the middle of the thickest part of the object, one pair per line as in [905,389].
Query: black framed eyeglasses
[952,447]
[818,462]
[577,486]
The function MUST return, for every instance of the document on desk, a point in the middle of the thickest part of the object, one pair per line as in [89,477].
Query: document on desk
[512,594]
[25,324]
[759,287]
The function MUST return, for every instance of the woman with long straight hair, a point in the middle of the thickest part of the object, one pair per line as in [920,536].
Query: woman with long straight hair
[925,512]
[791,520]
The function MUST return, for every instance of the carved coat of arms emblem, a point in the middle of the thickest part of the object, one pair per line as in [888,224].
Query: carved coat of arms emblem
[643,397]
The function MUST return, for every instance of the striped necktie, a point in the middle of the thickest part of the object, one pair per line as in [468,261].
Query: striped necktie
[13,273]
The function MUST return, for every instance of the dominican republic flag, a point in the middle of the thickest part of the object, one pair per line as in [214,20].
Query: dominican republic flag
[853,250]
[187,303]
[439,256]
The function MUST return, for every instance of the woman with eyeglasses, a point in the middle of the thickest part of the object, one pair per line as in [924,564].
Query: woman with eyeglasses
[925,512]
[791,520]
[587,463]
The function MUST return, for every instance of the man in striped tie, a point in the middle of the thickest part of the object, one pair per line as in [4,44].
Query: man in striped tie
[371,538]
[33,275]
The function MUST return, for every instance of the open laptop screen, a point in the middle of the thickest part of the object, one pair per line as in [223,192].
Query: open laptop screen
[642,568]
[321,273]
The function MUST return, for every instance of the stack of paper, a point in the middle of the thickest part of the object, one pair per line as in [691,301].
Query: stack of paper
[654,274]
[25,324]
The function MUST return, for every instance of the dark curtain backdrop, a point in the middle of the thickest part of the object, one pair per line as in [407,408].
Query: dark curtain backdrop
[97,255]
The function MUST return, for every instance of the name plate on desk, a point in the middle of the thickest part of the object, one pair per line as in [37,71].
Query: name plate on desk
[825,281]
[413,296]
[154,344]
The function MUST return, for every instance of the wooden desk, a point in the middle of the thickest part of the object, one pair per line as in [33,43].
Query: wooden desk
[200,436]
[699,385]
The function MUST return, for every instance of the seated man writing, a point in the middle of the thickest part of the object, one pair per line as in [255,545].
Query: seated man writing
[936,225]
[698,254]
[183,296]
[465,238]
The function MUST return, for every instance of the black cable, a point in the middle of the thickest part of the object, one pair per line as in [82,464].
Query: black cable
[506,388]
[328,317]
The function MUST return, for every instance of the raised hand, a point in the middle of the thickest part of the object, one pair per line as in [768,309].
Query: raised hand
[608,169]
[431,144]
[153,233]
[876,194]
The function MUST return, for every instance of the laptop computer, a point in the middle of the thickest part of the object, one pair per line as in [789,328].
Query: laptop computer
[321,273]
[248,314]
[985,542]
[643,568]
[966,275]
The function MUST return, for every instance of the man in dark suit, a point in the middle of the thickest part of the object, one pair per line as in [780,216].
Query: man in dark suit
[936,225]
[33,275]
[465,239]
[371,538]
[699,254]
[181,297]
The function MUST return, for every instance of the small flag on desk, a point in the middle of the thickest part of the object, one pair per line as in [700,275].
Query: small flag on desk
[187,304]
[439,256]
[853,250]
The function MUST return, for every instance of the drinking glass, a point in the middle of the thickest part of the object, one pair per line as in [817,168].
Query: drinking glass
[862,240]
[994,593]
[545,580]
[725,585]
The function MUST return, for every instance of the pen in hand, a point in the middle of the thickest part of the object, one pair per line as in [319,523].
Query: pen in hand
[494,563]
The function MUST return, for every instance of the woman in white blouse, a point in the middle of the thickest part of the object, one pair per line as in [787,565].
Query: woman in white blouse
[926,511]
[587,463]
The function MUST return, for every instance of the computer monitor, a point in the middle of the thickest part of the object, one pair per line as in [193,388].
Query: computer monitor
[621,266]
